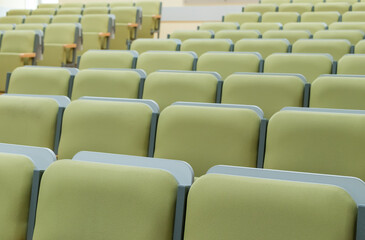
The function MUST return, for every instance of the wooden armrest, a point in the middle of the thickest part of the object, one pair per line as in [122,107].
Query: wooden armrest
[156,16]
[104,34]
[27,55]
[71,45]
[132,25]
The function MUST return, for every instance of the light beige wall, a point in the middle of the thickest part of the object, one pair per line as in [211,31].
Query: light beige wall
[12,4]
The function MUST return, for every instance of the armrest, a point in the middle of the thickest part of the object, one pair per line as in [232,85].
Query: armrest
[156,16]
[104,34]
[71,45]
[133,25]
[27,55]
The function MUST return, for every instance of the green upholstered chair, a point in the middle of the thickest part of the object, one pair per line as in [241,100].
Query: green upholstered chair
[231,202]
[347,26]
[128,20]
[16,12]
[108,59]
[218,26]
[121,4]
[356,16]
[317,140]
[12,19]
[151,18]
[67,18]
[205,134]
[359,6]
[89,210]
[111,125]
[44,11]
[200,46]
[296,7]
[326,17]
[61,41]
[183,35]
[97,30]
[308,1]
[18,48]
[152,61]
[142,45]
[96,4]
[242,17]
[354,36]
[360,47]
[70,11]
[117,83]
[312,27]
[310,65]
[261,8]
[96,10]
[337,48]
[278,2]
[340,1]
[236,35]
[269,91]
[46,19]
[41,80]
[281,17]
[167,87]
[261,27]
[340,7]
[291,35]
[48,5]
[7,26]
[338,91]
[351,64]
[31,26]
[226,63]
[72,5]
[265,47]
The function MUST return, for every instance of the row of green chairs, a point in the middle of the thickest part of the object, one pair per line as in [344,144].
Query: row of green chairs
[53,206]
[305,6]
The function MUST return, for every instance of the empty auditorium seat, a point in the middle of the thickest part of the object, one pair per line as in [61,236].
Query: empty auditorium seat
[12,19]
[72,5]
[226,63]
[280,17]
[243,17]
[108,59]
[338,91]
[151,18]
[31,26]
[291,35]
[326,17]
[351,64]
[146,44]
[66,19]
[41,80]
[39,19]
[296,7]
[7,26]
[167,87]
[111,125]
[312,27]
[48,5]
[96,4]
[261,8]
[96,10]
[270,92]
[187,34]
[354,36]
[117,83]
[347,26]
[335,47]
[261,27]
[152,61]
[359,6]
[236,35]
[310,65]
[200,46]
[44,11]
[278,2]
[265,47]
[70,11]
[307,1]
[15,12]
[218,26]
[360,47]
[353,17]
[340,7]
[205,135]
[127,22]
[316,140]
[121,4]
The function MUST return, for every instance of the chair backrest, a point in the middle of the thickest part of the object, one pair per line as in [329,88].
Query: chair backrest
[44,11]
[281,17]
[39,19]
[126,14]
[15,12]
[354,36]
[265,47]
[335,47]
[198,134]
[261,27]
[167,87]
[117,83]
[72,5]
[359,6]
[296,7]
[360,47]
[41,80]
[150,7]
[270,92]
[152,61]
[70,11]
[97,23]
[142,45]
[121,4]
[307,1]
[62,33]
[96,10]
[347,26]
[21,41]
[108,59]
[226,63]
[183,35]
[200,46]
[236,35]
[310,65]
[351,64]
[12,19]
[327,17]
[261,8]
[353,17]
[312,27]
[243,17]
[291,35]
[218,26]
[340,7]
[111,125]
[67,18]
[338,91]
[96,4]
[31,26]
[7,26]
[49,5]
[303,139]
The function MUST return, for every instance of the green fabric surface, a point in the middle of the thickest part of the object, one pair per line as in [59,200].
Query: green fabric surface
[106,59]
[18,42]
[66,19]
[218,26]
[54,55]
[353,17]
[296,7]
[261,8]
[347,26]
[351,64]
[265,47]
[340,7]
[261,27]
[360,47]
[144,45]
[291,35]
[9,61]
[38,19]
[12,19]
[281,17]
[242,17]
[354,36]
[186,34]
[200,46]
[326,17]
[312,27]
[236,35]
